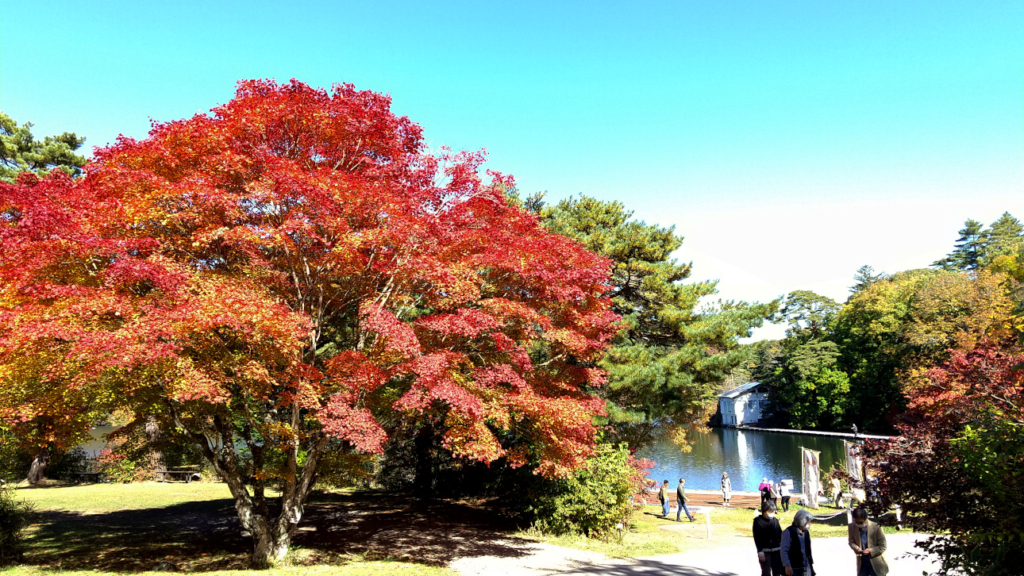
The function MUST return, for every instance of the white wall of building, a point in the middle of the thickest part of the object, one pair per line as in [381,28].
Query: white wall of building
[744,409]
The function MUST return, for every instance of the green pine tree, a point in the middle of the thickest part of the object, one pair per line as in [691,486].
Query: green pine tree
[677,349]
[967,251]
[866,276]
[21,152]
[1004,237]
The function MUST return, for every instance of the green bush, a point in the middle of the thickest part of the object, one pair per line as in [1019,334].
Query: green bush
[14,518]
[66,465]
[14,460]
[129,455]
[594,499]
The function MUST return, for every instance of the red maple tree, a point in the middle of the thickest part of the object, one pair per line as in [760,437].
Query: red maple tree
[269,273]
[958,463]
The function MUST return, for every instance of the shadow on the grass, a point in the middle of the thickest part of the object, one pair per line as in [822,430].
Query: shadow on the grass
[206,536]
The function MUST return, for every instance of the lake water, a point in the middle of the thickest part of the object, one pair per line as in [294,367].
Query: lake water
[746,455]
[94,445]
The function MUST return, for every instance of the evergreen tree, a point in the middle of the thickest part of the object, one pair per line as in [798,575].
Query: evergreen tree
[978,248]
[864,277]
[21,152]
[968,249]
[1005,237]
[808,314]
[808,388]
[676,350]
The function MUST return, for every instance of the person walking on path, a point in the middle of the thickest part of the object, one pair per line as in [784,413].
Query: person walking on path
[797,557]
[663,497]
[784,493]
[773,494]
[867,540]
[763,488]
[768,539]
[726,488]
[681,501]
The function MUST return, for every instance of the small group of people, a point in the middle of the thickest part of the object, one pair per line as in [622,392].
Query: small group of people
[773,492]
[681,500]
[789,551]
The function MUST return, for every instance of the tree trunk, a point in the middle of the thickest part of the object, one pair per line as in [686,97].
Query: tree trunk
[271,536]
[270,543]
[38,470]
[156,454]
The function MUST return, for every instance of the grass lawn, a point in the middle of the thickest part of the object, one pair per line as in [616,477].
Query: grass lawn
[116,528]
[351,568]
[96,498]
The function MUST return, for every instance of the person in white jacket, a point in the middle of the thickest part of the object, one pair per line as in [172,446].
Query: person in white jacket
[785,495]
[726,488]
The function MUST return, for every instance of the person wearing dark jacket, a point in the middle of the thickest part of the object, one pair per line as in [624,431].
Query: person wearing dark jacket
[768,539]
[797,557]
[681,500]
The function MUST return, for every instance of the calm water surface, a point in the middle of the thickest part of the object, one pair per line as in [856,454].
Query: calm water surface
[747,456]
[98,441]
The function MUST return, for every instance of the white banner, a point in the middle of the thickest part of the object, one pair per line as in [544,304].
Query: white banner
[811,468]
[854,467]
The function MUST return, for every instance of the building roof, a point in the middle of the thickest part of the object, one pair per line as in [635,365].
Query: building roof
[737,392]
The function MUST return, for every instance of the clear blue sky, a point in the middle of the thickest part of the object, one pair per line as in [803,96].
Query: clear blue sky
[790,142]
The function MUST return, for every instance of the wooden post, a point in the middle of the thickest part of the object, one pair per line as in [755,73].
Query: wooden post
[707,521]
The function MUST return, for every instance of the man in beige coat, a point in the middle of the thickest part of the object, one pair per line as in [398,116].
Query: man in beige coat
[867,540]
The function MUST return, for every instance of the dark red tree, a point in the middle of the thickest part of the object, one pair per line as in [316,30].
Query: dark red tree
[958,465]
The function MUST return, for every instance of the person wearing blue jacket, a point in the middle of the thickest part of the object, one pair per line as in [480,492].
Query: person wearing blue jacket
[797,557]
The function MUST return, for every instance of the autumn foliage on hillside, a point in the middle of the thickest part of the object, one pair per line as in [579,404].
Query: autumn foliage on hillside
[285,271]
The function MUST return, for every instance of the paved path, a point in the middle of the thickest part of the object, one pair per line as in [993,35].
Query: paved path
[833,556]
[728,558]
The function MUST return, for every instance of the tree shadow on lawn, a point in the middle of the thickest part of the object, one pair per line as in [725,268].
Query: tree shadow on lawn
[206,536]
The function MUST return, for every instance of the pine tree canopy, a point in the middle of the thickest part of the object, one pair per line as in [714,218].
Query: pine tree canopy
[21,152]
[978,247]
[678,348]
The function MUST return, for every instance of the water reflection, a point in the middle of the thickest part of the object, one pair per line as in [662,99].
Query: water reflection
[746,455]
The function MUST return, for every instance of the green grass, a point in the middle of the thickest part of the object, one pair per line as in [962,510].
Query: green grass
[93,498]
[101,529]
[353,568]
[118,528]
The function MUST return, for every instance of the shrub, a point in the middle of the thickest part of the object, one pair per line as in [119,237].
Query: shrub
[14,518]
[14,460]
[130,455]
[594,499]
[66,465]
